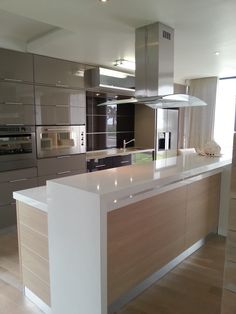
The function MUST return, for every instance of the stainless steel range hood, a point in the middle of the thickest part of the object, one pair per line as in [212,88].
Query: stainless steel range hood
[154,81]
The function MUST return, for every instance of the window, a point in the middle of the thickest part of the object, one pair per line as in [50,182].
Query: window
[225,113]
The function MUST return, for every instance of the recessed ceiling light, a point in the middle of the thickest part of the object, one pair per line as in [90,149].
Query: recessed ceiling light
[217,53]
[103,0]
[125,64]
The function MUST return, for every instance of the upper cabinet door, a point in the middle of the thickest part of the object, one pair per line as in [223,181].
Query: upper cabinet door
[56,72]
[16,66]
[16,93]
[54,96]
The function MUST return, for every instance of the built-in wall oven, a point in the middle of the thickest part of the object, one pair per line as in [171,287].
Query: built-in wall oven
[17,147]
[60,140]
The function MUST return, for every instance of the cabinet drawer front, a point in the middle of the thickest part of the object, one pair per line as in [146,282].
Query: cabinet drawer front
[8,188]
[60,115]
[16,66]
[27,173]
[232,215]
[33,218]
[16,93]
[43,180]
[231,247]
[17,114]
[56,72]
[36,264]
[230,276]
[99,164]
[119,161]
[55,96]
[7,216]
[33,240]
[52,166]
[32,282]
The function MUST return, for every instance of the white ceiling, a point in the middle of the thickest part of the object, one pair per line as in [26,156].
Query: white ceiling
[93,32]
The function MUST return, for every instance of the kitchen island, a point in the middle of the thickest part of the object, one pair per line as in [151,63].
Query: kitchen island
[112,233]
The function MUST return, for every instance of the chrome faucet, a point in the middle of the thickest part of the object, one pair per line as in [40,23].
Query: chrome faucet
[125,143]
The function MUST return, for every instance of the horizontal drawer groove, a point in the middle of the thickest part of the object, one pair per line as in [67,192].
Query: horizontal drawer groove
[34,252]
[36,285]
[35,241]
[34,230]
[29,270]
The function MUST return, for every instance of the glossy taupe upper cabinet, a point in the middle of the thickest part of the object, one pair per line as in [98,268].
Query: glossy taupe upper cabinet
[59,106]
[16,103]
[57,72]
[16,66]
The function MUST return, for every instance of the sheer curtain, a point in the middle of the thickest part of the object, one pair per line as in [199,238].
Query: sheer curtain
[199,121]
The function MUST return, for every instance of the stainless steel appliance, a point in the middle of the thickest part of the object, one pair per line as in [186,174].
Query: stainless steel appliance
[60,140]
[17,147]
[154,74]
[167,132]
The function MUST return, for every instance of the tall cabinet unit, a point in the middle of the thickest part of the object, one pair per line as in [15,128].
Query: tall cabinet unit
[38,92]
[229,288]
[16,112]
[59,101]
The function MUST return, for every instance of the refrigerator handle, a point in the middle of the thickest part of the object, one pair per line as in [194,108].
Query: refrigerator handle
[167,140]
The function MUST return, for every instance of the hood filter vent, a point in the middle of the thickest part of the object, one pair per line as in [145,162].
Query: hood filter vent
[166,35]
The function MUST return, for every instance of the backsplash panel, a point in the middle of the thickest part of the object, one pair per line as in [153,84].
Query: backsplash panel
[108,126]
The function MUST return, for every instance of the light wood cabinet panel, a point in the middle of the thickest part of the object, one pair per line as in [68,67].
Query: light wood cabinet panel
[232,215]
[37,286]
[141,241]
[230,276]
[228,302]
[202,208]
[36,264]
[231,247]
[34,218]
[33,250]
[35,241]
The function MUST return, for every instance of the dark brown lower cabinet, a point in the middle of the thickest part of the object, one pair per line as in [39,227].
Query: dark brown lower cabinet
[108,162]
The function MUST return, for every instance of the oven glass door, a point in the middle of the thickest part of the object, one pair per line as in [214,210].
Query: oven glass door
[16,144]
[57,141]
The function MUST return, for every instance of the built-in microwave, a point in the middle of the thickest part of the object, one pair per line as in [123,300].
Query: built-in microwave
[60,140]
[17,147]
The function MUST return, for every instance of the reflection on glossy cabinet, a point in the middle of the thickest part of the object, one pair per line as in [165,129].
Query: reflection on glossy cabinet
[16,66]
[59,106]
[56,96]
[16,93]
[11,181]
[57,72]
[16,103]
[59,115]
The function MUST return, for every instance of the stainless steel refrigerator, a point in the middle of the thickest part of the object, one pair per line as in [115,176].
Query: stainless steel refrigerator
[167,124]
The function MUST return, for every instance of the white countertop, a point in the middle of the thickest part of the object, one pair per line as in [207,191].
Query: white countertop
[160,172]
[133,178]
[36,197]
[116,152]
